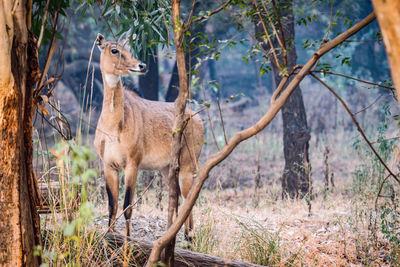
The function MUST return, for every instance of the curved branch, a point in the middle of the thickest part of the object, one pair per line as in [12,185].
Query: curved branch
[358,127]
[353,78]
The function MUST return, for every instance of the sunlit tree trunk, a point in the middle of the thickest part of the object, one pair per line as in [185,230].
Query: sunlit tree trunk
[388,15]
[19,223]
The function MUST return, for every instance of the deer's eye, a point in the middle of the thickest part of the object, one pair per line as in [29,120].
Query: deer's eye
[114,51]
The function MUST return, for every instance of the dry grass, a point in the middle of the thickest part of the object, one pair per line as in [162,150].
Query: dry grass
[224,223]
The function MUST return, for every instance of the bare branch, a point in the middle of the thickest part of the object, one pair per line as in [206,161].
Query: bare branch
[330,22]
[282,45]
[222,121]
[358,127]
[267,34]
[370,105]
[43,23]
[252,37]
[106,21]
[222,7]
[353,78]
[190,19]
[280,29]
[208,113]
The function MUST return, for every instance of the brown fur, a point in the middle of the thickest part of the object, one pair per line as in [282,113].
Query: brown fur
[136,134]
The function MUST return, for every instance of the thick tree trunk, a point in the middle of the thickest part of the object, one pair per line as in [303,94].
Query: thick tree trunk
[388,15]
[296,175]
[149,83]
[19,224]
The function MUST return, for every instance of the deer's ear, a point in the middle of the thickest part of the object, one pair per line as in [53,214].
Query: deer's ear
[101,42]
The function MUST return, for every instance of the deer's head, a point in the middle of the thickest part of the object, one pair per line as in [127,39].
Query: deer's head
[117,59]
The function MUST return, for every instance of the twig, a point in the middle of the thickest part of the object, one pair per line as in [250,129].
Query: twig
[190,19]
[387,139]
[282,45]
[129,206]
[370,105]
[358,127]
[222,121]
[52,47]
[267,34]
[43,24]
[208,115]
[54,127]
[380,190]
[223,6]
[353,78]
[330,22]
[359,41]
[106,21]
[280,29]
[251,36]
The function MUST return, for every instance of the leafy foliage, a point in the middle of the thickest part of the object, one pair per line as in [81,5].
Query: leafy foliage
[149,20]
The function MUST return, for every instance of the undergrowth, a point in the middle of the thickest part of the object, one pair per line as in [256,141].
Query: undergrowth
[375,217]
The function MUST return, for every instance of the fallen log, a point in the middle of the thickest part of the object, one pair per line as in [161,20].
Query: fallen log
[51,194]
[183,258]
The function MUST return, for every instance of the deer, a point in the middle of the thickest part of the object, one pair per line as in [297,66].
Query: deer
[135,134]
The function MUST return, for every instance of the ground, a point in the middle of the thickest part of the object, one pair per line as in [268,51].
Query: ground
[224,220]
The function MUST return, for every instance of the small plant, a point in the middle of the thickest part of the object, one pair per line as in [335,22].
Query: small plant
[69,240]
[390,227]
[204,240]
[260,246]
[371,222]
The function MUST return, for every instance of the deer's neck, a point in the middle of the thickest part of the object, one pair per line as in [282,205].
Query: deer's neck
[113,101]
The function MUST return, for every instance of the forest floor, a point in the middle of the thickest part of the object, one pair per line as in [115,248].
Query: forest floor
[234,224]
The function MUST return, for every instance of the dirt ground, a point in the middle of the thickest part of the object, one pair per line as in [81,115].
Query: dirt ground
[325,237]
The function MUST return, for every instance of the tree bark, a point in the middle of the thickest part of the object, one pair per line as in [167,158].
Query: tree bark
[178,127]
[388,15]
[173,86]
[296,134]
[19,225]
[149,83]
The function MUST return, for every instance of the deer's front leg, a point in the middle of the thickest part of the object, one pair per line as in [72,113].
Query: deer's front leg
[130,183]
[112,192]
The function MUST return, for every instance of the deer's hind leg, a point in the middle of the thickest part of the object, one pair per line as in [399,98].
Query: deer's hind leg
[185,183]
[131,172]
[111,176]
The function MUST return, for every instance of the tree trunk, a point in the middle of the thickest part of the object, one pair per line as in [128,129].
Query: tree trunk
[388,14]
[296,134]
[149,83]
[173,86]
[19,225]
